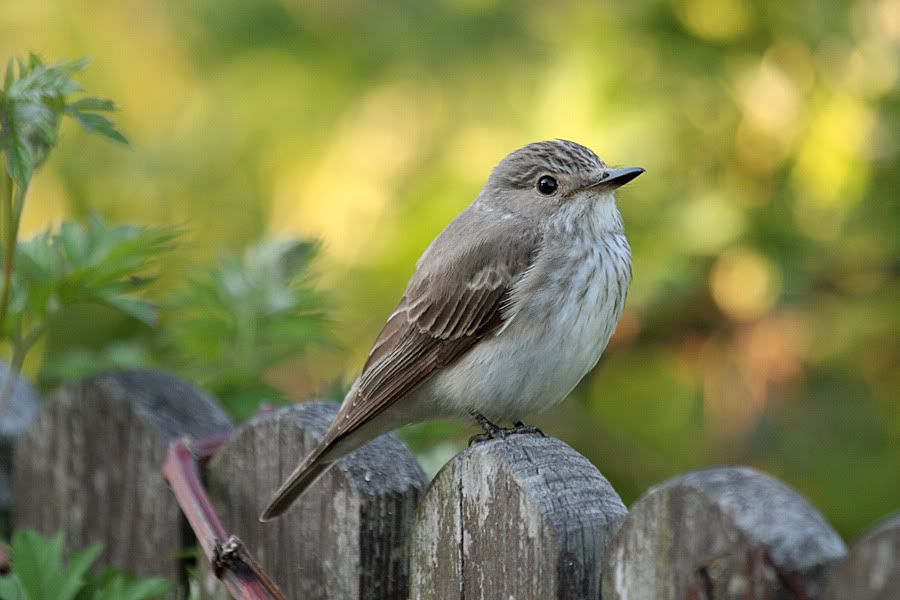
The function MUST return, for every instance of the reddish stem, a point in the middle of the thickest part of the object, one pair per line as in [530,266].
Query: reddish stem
[241,574]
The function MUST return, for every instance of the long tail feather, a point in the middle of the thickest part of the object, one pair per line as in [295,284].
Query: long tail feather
[302,477]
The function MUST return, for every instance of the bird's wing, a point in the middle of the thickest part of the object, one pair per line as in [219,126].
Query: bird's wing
[459,294]
[456,297]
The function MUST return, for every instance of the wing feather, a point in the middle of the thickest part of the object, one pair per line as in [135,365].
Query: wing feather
[454,300]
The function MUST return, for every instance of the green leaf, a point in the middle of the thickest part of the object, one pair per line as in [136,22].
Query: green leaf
[69,581]
[11,588]
[95,264]
[31,105]
[74,240]
[99,124]
[39,573]
[20,161]
[33,558]
[139,309]
[245,316]
[116,585]
[145,589]
[10,74]
[80,362]
[90,103]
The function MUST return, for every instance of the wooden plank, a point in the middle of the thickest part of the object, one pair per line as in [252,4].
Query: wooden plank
[524,517]
[871,571]
[91,467]
[345,537]
[721,533]
[15,419]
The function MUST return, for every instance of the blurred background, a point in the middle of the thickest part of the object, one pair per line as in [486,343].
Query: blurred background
[763,323]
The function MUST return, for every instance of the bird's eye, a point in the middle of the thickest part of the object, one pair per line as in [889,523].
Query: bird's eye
[547,185]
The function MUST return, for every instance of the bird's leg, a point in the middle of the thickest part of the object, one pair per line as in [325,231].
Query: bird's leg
[494,432]
[491,431]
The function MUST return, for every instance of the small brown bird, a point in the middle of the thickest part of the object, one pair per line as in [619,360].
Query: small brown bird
[509,307]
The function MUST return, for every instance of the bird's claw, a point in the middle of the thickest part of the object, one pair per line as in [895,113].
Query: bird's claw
[495,432]
[520,427]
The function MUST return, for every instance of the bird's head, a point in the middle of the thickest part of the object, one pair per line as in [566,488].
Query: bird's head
[547,179]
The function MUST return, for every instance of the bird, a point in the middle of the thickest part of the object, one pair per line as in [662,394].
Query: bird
[509,307]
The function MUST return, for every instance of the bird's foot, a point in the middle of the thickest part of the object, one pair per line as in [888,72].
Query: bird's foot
[495,432]
[520,427]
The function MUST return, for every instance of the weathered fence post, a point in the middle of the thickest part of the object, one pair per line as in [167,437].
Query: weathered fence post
[525,517]
[871,570]
[90,466]
[721,533]
[345,537]
[15,419]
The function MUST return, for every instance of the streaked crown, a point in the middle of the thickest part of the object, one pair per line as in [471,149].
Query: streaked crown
[522,168]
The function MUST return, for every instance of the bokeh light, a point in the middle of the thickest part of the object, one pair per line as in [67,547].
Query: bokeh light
[762,326]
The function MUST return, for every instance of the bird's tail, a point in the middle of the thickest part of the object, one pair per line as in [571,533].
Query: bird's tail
[302,477]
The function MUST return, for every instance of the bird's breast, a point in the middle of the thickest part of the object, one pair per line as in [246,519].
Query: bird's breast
[559,322]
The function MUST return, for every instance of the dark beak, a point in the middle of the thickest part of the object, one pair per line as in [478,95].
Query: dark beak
[615,178]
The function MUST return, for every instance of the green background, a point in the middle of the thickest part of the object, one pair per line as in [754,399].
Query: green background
[762,324]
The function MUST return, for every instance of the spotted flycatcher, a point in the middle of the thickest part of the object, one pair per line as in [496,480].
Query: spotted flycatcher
[509,307]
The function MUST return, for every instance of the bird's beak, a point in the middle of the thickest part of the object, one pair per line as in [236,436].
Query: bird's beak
[614,178]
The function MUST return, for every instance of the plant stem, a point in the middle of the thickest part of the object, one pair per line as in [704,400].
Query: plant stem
[9,208]
[21,346]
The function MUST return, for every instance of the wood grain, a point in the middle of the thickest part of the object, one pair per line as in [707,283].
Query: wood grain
[525,517]
[871,571]
[90,467]
[721,533]
[15,419]
[345,537]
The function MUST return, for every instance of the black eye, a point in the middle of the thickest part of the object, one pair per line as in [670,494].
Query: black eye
[547,185]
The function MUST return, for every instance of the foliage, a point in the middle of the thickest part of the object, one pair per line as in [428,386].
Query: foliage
[86,263]
[234,321]
[39,572]
[32,100]
[31,103]
[762,324]
[79,362]
[95,263]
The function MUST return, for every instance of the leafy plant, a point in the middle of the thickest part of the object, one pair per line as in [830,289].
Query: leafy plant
[78,264]
[94,263]
[236,320]
[33,99]
[79,362]
[39,572]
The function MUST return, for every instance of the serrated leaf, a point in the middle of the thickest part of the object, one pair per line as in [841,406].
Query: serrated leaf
[32,105]
[99,124]
[262,294]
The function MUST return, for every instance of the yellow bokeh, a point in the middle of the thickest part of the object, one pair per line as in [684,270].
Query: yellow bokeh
[343,196]
[744,284]
[715,19]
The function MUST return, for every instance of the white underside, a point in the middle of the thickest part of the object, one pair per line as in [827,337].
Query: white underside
[534,362]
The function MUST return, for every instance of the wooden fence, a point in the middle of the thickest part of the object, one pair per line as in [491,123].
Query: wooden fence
[526,517]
